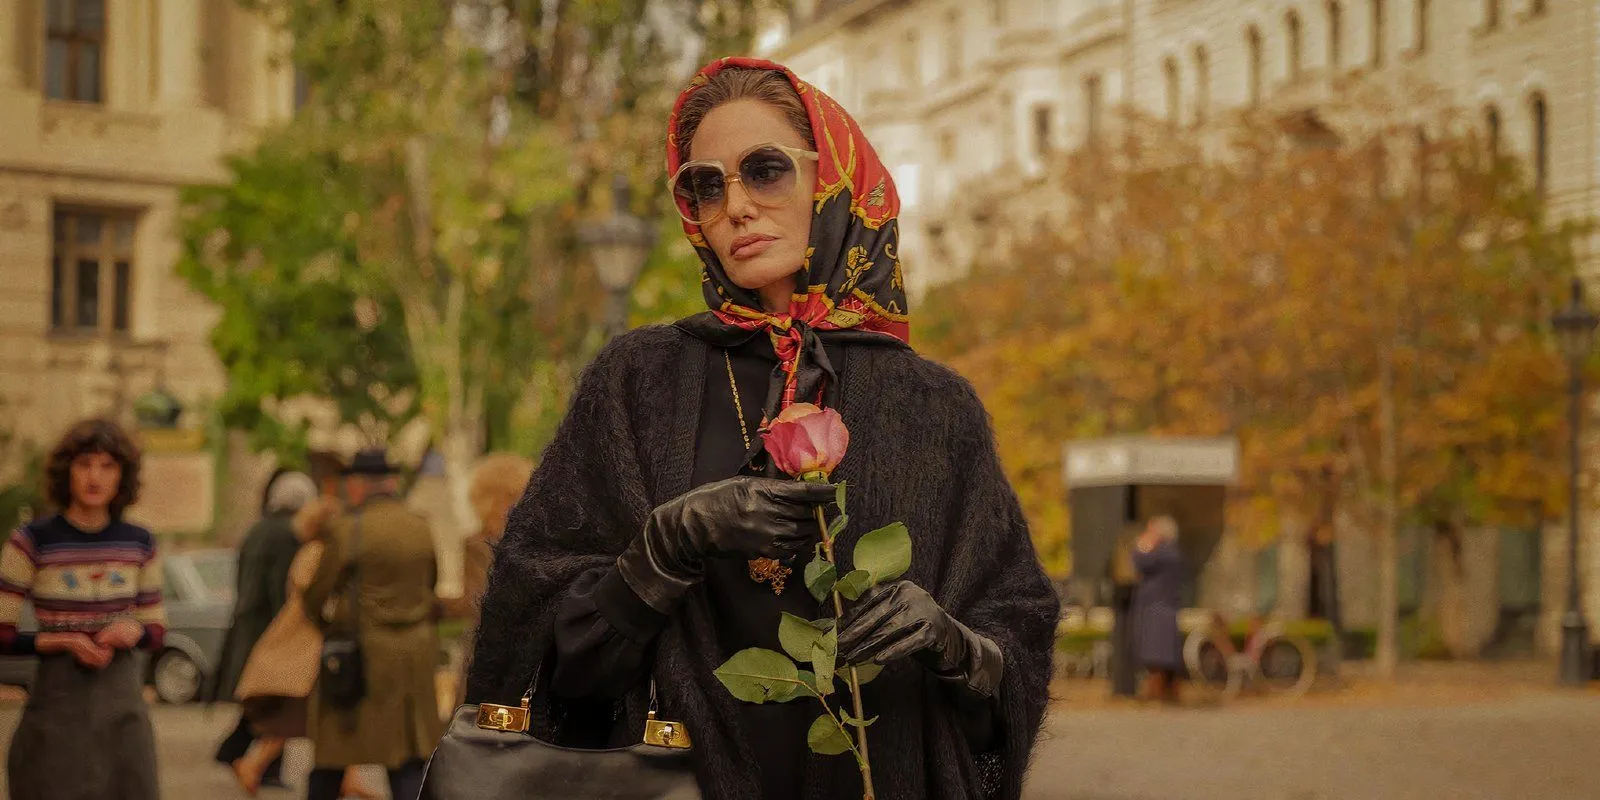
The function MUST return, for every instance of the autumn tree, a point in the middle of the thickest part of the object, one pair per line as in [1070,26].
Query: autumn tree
[435,176]
[1363,306]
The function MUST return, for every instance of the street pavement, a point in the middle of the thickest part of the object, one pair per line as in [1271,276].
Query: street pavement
[1537,744]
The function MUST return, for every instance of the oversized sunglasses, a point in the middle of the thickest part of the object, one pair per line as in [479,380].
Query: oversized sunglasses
[769,172]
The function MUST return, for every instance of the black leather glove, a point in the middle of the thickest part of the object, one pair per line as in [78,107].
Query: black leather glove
[899,619]
[744,517]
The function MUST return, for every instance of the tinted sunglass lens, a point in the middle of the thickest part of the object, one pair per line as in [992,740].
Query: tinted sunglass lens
[699,193]
[769,174]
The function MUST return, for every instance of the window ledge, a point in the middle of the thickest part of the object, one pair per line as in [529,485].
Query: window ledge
[67,116]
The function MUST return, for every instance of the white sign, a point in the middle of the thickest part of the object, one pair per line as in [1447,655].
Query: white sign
[1111,462]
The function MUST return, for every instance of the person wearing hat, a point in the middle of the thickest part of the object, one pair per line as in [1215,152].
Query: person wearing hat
[381,554]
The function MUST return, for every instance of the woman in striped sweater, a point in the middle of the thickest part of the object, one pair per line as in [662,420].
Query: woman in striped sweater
[95,584]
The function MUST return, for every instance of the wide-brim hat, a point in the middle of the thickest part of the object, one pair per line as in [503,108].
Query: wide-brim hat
[373,461]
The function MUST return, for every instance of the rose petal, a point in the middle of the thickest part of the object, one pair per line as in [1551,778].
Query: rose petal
[797,412]
[791,448]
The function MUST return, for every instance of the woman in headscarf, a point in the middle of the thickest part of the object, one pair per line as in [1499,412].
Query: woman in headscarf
[635,557]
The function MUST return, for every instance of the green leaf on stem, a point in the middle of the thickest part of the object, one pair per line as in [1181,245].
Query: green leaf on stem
[758,675]
[852,585]
[884,553]
[836,527]
[798,636]
[827,737]
[866,672]
[838,496]
[796,690]
[820,577]
[850,720]
[824,655]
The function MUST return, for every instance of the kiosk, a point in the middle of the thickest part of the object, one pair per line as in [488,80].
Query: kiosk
[1114,486]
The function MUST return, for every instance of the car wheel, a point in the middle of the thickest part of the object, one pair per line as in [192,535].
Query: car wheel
[176,678]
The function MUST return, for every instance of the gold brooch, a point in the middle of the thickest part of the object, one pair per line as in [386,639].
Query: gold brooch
[769,569]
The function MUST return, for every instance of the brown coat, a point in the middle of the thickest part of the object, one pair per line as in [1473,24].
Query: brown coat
[396,568]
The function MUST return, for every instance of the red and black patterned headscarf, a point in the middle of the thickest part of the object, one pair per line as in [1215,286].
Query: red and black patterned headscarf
[851,289]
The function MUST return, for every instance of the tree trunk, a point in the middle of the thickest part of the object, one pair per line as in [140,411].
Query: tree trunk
[1388,646]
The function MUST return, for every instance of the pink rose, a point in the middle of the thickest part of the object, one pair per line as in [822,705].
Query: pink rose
[806,441]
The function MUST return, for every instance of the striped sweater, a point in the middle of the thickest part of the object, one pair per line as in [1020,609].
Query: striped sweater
[79,582]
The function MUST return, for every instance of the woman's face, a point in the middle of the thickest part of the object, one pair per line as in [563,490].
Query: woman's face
[95,478]
[761,248]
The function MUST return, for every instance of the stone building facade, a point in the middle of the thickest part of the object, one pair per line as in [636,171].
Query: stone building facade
[967,98]
[108,108]
[966,101]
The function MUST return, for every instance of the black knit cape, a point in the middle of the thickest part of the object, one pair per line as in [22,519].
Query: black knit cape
[921,452]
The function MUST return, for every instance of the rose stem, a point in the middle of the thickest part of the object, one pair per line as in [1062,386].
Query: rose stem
[855,682]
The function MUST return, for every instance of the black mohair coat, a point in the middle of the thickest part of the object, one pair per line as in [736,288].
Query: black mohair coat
[921,452]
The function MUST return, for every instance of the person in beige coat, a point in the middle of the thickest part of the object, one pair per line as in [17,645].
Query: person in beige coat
[391,569]
[277,680]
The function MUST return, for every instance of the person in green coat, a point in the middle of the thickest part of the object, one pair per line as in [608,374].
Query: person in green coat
[383,552]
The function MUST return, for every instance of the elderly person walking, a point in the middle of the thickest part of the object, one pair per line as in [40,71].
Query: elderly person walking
[380,554]
[260,592]
[1158,645]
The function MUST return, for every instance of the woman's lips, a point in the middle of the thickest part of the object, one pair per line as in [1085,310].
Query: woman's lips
[747,247]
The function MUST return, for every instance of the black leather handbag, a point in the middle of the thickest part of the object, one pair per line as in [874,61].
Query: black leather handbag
[341,675]
[488,754]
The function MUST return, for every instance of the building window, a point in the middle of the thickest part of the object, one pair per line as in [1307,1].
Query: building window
[1536,7]
[1422,25]
[1202,84]
[1377,33]
[75,33]
[1538,111]
[997,12]
[1252,39]
[1291,29]
[911,59]
[1042,136]
[1491,14]
[91,271]
[1335,35]
[1491,132]
[1093,104]
[952,45]
[1169,68]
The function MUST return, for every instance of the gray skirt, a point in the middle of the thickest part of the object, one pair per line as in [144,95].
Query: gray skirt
[85,734]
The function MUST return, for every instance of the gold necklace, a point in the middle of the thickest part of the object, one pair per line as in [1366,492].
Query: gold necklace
[762,570]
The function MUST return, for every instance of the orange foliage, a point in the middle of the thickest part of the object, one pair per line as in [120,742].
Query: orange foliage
[1253,292]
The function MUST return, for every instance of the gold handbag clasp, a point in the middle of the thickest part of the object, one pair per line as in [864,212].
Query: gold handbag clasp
[662,733]
[511,719]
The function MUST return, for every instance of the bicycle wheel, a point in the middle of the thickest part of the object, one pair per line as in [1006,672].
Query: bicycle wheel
[1288,665]
[1210,668]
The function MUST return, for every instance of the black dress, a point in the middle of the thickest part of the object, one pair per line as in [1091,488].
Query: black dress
[604,631]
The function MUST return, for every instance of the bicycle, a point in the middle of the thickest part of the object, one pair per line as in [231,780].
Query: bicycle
[1282,663]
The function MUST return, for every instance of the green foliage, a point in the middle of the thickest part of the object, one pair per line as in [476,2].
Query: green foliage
[853,585]
[798,636]
[821,576]
[827,737]
[885,553]
[757,675]
[273,250]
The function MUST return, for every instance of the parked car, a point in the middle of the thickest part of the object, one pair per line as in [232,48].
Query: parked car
[198,594]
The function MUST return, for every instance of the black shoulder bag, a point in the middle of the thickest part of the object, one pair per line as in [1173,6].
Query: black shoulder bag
[342,678]
[487,753]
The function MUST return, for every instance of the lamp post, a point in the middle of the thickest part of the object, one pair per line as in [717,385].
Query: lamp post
[1574,327]
[619,245]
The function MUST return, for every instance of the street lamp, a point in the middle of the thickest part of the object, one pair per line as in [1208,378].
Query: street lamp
[1574,327]
[619,246]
